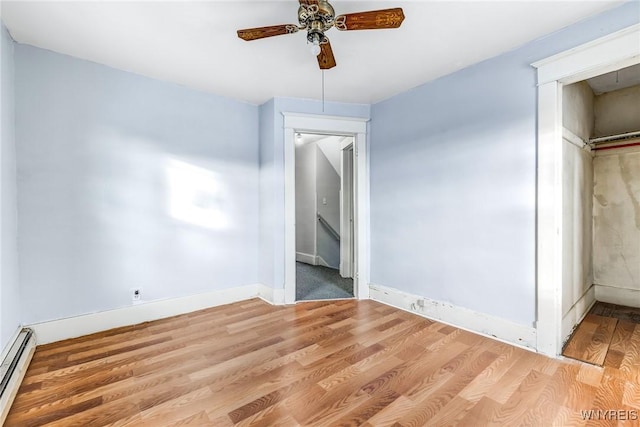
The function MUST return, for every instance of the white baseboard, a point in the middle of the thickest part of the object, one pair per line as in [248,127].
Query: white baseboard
[322,262]
[577,312]
[71,327]
[313,260]
[463,318]
[620,296]
[270,295]
[306,258]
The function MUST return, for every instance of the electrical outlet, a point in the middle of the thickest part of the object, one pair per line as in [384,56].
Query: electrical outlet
[136,294]
[421,303]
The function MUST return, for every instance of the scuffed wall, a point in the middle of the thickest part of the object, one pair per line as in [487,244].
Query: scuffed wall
[577,109]
[577,225]
[577,273]
[616,221]
[617,112]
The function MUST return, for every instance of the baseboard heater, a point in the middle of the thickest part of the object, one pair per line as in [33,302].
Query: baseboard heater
[13,368]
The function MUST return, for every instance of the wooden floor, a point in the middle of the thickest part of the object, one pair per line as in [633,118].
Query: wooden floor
[602,335]
[591,340]
[318,363]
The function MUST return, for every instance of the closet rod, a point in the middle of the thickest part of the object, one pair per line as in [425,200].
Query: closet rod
[613,138]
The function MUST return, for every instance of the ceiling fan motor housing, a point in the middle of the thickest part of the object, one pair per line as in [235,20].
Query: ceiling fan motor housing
[318,17]
[315,33]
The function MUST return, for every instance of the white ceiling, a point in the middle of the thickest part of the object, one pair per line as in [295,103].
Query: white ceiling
[194,43]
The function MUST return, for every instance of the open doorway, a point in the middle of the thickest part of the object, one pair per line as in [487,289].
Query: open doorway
[324,216]
[357,128]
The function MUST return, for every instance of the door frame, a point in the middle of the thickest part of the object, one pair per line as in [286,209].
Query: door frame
[615,51]
[330,125]
[347,193]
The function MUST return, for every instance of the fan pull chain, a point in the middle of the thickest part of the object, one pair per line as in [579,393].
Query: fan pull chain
[322,90]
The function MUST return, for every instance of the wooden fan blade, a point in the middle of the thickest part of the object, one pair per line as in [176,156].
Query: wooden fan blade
[372,20]
[326,59]
[262,32]
[308,2]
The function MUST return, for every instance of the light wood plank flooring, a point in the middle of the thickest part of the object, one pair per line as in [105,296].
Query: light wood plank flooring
[591,340]
[319,363]
[602,336]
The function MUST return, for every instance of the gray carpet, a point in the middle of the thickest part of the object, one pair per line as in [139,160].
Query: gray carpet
[316,282]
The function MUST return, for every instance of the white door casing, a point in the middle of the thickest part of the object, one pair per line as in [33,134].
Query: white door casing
[346,211]
[330,125]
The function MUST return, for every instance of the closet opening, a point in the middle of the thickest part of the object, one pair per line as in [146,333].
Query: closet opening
[601,217]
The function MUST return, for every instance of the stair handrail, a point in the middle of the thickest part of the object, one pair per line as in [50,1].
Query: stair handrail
[332,230]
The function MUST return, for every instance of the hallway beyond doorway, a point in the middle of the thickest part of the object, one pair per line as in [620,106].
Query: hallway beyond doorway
[315,282]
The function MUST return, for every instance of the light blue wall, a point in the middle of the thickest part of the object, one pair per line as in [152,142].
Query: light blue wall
[453,179]
[272,174]
[9,290]
[267,190]
[126,181]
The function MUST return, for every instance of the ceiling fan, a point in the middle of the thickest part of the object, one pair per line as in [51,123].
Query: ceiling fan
[318,16]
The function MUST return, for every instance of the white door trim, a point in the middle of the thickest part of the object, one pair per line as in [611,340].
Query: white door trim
[618,50]
[356,127]
[346,210]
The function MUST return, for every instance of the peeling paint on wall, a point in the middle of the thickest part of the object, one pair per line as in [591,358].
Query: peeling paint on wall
[616,223]
[577,227]
[577,200]
[628,179]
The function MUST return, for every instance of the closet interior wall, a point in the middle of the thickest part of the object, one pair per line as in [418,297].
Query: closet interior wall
[601,202]
[616,200]
[577,261]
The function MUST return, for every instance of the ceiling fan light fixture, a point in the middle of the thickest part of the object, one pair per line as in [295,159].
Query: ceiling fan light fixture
[314,37]
[315,49]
